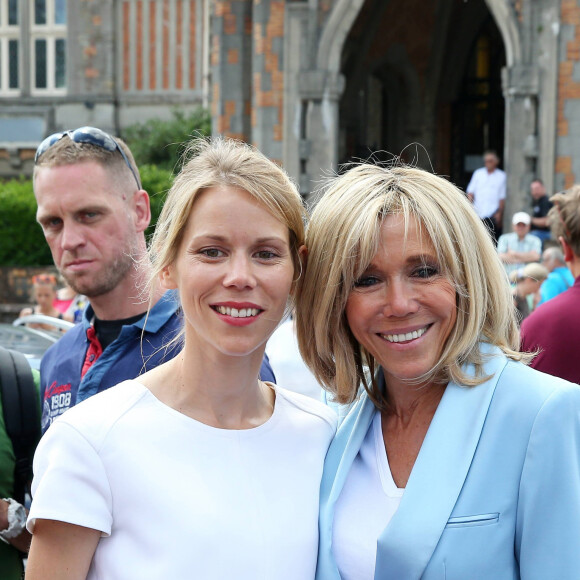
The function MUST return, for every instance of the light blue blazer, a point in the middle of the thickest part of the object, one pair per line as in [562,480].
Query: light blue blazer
[495,490]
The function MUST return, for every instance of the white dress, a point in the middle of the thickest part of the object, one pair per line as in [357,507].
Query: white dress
[175,498]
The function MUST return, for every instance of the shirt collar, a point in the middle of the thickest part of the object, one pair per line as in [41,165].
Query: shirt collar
[165,307]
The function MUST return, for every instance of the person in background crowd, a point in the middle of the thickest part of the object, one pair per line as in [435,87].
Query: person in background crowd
[197,469]
[64,297]
[70,303]
[44,294]
[519,247]
[554,328]
[487,191]
[528,282]
[405,314]
[541,206]
[94,212]
[559,278]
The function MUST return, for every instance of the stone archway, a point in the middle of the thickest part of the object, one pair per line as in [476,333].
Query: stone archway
[341,19]
[314,85]
[345,12]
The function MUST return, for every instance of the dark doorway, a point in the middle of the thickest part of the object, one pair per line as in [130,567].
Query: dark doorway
[478,113]
[423,82]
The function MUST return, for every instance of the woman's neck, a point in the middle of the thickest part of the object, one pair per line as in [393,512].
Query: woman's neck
[408,401]
[218,390]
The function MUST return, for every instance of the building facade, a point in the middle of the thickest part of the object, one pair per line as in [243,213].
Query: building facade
[312,83]
[107,63]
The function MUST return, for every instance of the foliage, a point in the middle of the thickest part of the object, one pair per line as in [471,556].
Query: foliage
[160,142]
[22,242]
[156,181]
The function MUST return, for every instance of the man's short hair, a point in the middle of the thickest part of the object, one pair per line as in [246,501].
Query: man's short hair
[564,217]
[68,152]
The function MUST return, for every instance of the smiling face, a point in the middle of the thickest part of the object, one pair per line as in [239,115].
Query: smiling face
[403,309]
[233,270]
[92,230]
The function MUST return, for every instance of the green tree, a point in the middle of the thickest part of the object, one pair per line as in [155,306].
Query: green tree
[22,242]
[160,142]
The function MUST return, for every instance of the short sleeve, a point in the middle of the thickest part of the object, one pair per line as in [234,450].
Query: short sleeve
[547,527]
[70,483]
[545,206]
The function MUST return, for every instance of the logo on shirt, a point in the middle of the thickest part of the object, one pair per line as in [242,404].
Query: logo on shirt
[57,399]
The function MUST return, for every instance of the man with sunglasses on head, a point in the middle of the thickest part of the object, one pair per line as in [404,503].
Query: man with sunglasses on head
[553,328]
[94,213]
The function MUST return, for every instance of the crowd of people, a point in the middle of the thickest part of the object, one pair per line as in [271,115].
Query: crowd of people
[179,443]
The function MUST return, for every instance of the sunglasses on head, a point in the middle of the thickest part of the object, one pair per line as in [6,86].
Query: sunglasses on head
[90,135]
[43,279]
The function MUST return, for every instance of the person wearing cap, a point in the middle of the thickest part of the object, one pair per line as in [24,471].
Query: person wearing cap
[519,247]
[94,213]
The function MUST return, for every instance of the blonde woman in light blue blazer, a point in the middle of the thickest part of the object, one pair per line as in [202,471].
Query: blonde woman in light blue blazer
[454,460]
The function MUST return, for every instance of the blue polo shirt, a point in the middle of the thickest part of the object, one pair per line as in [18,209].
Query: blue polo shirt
[558,281]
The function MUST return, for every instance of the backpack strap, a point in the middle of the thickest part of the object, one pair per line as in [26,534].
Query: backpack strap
[21,415]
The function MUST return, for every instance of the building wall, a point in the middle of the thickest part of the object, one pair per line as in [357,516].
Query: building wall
[271,72]
[127,61]
[568,140]
[247,59]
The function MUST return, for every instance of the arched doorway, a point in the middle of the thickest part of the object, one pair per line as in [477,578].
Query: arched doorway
[426,74]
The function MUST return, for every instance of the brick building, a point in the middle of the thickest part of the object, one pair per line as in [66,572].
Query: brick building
[108,63]
[310,82]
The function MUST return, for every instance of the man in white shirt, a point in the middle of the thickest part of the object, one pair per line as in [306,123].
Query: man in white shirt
[487,190]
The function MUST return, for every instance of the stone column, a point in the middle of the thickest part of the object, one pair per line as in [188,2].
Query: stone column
[320,92]
[296,59]
[268,77]
[231,67]
[520,87]
[547,44]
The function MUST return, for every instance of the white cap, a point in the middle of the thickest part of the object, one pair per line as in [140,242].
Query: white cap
[521,217]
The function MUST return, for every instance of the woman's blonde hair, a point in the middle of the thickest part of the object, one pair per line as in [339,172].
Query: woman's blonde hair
[221,162]
[342,239]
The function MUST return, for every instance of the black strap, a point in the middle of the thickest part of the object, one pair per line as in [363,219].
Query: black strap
[21,415]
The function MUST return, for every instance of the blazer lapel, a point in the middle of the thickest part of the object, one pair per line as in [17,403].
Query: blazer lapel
[408,542]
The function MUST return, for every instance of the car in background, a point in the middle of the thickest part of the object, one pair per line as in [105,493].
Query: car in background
[32,342]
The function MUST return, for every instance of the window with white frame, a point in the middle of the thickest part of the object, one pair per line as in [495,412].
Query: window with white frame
[9,47]
[35,31]
[48,46]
